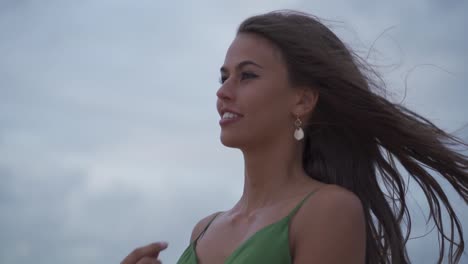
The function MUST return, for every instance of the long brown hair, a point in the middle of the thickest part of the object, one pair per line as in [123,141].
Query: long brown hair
[356,138]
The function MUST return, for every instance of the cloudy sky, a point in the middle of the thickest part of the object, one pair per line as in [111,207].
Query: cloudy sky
[109,135]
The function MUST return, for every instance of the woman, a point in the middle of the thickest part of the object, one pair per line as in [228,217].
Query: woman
[320,147]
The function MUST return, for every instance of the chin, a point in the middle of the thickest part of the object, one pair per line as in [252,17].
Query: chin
[232,141]
[229,142]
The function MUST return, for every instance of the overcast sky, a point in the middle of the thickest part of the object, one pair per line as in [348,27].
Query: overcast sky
[109,135]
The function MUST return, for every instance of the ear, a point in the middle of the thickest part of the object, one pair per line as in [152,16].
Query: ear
[305,101]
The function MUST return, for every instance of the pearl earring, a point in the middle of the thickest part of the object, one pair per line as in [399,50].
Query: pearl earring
[299,133]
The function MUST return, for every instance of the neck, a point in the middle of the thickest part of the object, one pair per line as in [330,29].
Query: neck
[270,175]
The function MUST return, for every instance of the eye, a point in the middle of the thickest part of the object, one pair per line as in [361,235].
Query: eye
[244,75]
[222,79]
[248,75]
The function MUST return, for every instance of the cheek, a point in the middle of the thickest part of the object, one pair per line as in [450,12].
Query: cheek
[269,106]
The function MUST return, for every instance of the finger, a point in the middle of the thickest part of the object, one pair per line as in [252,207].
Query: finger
[151,250]
[148,260]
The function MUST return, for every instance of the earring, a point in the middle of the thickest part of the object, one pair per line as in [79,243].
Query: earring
[299,133]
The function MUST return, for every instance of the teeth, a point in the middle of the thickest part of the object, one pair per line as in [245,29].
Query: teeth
[228,115]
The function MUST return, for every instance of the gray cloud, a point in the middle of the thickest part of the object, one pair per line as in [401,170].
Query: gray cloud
[108,129]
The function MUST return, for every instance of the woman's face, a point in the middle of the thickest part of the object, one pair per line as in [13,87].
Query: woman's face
[255,86]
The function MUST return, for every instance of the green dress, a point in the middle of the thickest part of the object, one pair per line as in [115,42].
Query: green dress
[268,245]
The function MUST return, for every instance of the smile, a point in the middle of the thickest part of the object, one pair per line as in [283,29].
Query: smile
[229,118]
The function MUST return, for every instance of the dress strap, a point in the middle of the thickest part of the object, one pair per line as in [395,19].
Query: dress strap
[206,227]
[300,204]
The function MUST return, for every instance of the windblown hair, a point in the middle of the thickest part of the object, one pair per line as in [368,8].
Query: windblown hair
[355,137]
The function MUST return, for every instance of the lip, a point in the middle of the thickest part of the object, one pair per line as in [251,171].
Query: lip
[225,122]
[225,109]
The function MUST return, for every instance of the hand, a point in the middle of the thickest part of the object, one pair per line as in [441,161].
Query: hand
[145,255]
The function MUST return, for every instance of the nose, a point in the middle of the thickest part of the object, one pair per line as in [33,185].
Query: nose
[224,92]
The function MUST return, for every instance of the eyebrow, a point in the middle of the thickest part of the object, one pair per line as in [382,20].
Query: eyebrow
[242,64]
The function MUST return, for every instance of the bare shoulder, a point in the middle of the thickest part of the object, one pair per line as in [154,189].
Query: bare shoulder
[333,197]
[198,228]
[330,228]
[332,204]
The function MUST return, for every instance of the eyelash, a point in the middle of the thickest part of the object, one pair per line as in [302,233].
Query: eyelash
[244,75]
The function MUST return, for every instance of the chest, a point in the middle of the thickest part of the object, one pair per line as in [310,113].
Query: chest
[253,242]
[219,244]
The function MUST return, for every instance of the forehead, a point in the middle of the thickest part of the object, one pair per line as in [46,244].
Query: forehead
[248,46]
